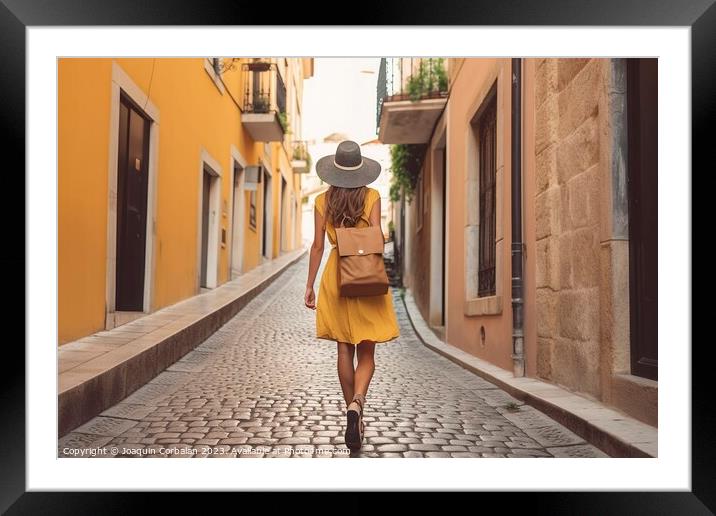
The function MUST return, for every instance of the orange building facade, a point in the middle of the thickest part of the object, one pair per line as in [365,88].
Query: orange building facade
[587,165]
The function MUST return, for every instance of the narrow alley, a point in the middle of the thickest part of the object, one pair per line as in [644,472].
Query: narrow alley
[264,386]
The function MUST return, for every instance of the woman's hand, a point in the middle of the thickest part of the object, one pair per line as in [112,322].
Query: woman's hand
[310,298]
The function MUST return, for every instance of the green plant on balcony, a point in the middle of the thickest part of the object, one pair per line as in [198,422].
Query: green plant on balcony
[300,153]
[283,120]
[405,162]
[441,75]
[260,104]
[430,78]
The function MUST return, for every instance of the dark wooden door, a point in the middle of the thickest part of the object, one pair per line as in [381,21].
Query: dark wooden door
[283,219]
[642,192]
[206,191]
[132,184]
[267,244]
[237,224]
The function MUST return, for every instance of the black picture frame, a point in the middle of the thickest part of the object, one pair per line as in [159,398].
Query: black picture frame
[17,15]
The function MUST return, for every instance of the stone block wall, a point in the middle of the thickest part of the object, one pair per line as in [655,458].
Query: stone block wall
[569,101]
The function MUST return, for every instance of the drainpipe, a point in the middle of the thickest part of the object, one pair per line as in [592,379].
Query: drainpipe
[401,254]
[518,350]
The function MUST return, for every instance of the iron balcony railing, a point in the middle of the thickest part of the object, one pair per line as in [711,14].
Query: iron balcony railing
[264,89]
[410,78]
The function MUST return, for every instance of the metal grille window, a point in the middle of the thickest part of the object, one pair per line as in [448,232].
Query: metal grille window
[487,155]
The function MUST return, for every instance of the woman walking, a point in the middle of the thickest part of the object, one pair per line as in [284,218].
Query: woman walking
[355,323]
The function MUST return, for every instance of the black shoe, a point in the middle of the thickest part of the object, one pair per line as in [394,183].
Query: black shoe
[355,426]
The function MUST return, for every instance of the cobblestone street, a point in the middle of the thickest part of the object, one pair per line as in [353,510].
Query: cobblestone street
[263,386]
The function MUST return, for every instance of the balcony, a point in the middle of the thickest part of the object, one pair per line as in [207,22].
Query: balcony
[412,93]
[300,158]
[264,105]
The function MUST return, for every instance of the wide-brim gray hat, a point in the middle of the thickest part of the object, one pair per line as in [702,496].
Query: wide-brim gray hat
[347,168]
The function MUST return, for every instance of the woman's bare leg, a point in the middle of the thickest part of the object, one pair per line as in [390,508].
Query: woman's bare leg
[365,368]
[346,371]
[355,428]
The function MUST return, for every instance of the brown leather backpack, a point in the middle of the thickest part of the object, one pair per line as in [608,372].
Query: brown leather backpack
[361,270]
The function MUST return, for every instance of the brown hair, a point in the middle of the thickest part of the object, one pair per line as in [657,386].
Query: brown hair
[346,202]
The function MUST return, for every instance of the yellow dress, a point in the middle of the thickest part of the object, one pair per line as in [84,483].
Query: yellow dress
[351,319]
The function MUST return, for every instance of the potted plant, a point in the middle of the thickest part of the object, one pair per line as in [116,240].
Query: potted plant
[301,159]
[430,79]
[261,104]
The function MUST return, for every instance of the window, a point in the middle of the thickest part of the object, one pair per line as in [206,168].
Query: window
[487,147]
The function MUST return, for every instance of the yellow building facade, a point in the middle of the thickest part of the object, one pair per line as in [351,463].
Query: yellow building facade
[174,177]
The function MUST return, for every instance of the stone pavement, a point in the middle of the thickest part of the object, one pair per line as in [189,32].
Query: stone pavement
[264,386]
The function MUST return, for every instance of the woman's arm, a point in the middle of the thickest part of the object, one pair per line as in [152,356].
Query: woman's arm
[374,215]
[315,255]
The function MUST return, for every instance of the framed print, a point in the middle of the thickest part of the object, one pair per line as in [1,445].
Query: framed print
[533,170]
